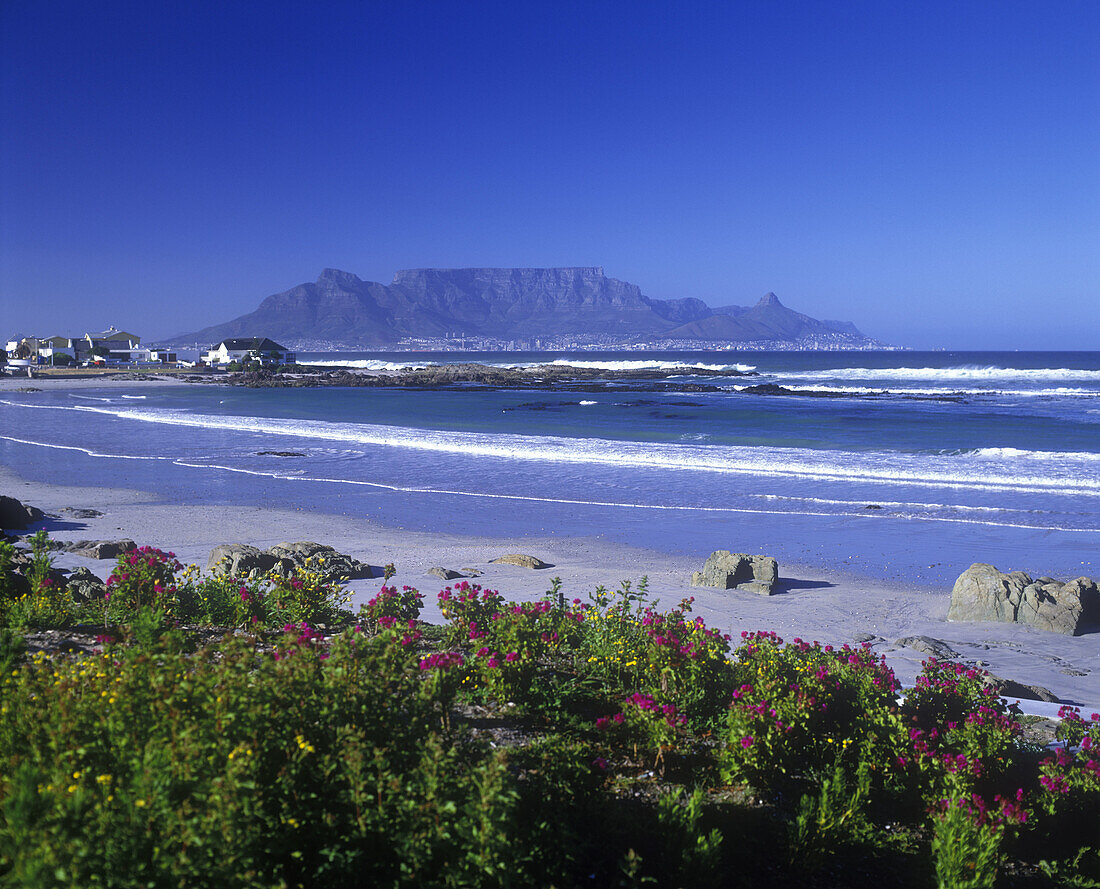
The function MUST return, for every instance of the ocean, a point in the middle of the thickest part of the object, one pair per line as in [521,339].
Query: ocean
[890,465]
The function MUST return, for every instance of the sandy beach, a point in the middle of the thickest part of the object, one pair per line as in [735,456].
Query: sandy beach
[811,603]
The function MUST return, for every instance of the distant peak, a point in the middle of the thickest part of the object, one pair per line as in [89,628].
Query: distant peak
[768,300]
[337,276]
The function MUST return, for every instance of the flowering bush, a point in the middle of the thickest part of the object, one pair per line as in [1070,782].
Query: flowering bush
[469,609]
[967,839]
[143,578]
[646,723]
[687,661]
[234,768]
[392,606]
[1068,798]
[801,708]
[961,735]
[46,603]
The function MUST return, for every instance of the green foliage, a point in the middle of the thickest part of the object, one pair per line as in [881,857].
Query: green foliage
[801,708]
[834,819]
[967,851]
[692,853]
[244,769]
[536,743]
[12,647]
[7,578]
[391,607]
[48,604]
[143,579]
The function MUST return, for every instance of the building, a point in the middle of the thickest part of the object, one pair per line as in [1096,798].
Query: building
[111,345]
[249,350]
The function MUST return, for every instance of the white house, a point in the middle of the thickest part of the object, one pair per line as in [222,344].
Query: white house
[249,349]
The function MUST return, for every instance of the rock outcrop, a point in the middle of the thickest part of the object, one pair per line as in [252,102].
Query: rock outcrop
[982,593]
[85,586]
[99,549]
[14,514]
[738,571]
[242,560]
[522,560]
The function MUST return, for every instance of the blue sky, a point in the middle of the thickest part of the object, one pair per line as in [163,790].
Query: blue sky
[928,170]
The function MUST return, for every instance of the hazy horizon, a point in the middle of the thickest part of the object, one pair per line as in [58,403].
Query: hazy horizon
[928,172]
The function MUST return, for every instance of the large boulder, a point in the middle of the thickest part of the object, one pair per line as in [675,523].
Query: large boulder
[982,593]
[240,560]
[333,565]
[738,571]
[14,514]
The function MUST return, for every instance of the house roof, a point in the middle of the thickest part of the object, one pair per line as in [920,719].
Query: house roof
[255,343]
[111,334]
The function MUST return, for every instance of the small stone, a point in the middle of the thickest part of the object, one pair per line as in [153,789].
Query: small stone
[928,645]
[444,573]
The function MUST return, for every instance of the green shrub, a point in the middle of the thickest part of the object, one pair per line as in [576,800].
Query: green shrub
[802,708]
[319,765]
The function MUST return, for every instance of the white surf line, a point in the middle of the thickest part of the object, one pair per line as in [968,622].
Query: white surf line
[555,449]
[401,489]
[90,453]
[405,489]
[550,449]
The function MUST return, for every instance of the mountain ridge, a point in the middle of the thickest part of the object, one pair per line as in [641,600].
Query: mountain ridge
[506,304]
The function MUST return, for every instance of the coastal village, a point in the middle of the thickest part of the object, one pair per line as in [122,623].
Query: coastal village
[118,348]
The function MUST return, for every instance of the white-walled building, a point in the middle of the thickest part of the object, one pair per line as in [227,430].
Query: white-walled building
[249,349]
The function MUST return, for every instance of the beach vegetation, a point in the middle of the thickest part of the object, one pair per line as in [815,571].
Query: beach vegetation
[596,741]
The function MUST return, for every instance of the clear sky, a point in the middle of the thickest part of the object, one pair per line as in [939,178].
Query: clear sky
[929,170]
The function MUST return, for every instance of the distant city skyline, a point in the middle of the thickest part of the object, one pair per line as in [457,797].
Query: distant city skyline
[930,172]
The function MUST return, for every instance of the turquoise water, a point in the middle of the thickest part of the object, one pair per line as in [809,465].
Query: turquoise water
[914,465]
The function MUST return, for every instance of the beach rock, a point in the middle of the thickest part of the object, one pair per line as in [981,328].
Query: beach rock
[523,561]
[1010,688]
[78,512]
[333,565]
[99,549]
[14,514]
[240,560]
[444,573]
[928,645]
[738,571]
[472,572]
[986,594]
[85,586]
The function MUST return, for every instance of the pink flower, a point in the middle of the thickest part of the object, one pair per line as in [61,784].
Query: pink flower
[746,742]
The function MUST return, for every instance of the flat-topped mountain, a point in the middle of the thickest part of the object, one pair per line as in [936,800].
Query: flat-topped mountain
[505,304]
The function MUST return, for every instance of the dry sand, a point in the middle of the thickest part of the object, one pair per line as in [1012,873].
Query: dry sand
[812,603]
